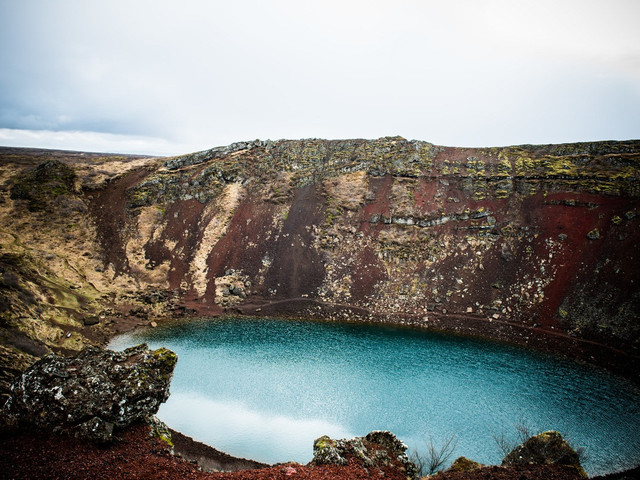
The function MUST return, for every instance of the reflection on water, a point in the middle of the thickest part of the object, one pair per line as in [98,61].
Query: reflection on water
[265,389]
[232,423]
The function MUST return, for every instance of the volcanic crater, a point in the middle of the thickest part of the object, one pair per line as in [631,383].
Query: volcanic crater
[536,245]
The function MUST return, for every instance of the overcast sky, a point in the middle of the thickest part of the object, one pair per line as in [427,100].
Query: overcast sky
[169,77]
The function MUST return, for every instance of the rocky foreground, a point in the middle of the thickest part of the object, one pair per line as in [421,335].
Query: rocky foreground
[138,456]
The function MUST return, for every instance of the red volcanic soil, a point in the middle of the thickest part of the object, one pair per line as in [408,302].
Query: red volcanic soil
[108,207]
[136,456]
[523,472]
[32,456]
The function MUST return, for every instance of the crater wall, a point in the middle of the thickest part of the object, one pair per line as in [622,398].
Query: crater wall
[537,245]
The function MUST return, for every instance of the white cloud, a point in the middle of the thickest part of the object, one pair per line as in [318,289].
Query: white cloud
[201,73]
[591,31]
[90,142]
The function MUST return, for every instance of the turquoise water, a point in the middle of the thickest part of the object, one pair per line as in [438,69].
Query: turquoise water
[265,389]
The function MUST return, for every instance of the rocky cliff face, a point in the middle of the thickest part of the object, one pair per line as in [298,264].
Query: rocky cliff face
[533,244]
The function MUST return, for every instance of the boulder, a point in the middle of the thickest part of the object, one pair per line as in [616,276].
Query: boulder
[377,449]
[92,393]
[463,464]
[593,234]
[90,320]
[544,449]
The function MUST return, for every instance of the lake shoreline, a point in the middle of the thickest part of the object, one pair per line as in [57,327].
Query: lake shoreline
[256,332]
[555,343]
[548,340]
[538,338]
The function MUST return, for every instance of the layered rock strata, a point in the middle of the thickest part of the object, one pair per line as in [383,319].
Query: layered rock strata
[531,244]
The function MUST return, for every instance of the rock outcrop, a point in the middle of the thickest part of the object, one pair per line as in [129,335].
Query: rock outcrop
[378,449]
[93,393]
[544,449]
[463,464]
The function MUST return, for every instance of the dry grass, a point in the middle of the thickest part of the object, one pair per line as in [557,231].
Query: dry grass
[347,191]
[219,215]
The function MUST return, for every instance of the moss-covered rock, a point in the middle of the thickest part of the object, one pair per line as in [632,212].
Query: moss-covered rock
[463,464]
[543,449]
[377,449]
[92,394]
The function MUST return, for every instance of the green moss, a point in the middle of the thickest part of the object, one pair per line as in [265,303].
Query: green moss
[323,442]
[479,195]
[504,166]
[166,439]
[140,197]
[524,166]
[558,166]
[43,184]
[463,464]
[166,356]
[476,166]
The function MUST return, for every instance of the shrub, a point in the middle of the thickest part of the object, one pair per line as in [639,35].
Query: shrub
[434,458]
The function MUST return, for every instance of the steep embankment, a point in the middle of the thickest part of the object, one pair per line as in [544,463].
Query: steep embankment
[532,244]
[54,284]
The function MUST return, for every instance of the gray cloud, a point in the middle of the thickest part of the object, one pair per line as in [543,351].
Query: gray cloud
[195,74]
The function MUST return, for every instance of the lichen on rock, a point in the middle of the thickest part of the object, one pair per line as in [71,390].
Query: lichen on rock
[376,450]
[231,288]
[463,464]
[544,449]
[93,393]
